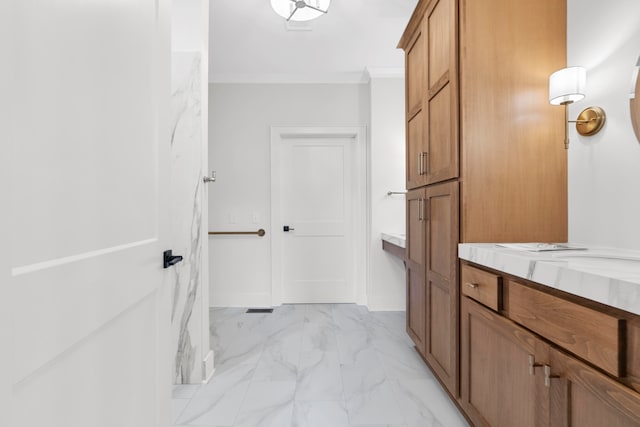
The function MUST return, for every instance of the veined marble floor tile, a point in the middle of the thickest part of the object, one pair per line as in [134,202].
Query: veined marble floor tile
[325,365]
[244,351]
[320,414]
[177,407]
[319,336]
[267,404]
[218,403]
[368,393]
[425,404]
[318,313]
[350,318]
[351,344]
[184,391]
[319,377]
[281,355]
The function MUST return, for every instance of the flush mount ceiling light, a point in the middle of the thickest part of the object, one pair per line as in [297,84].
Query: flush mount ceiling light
[300,10]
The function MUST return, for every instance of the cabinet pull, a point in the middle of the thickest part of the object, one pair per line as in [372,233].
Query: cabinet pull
[533,365]
[548,376]
[425,164]
[472,285]
[420,164]
[420,205]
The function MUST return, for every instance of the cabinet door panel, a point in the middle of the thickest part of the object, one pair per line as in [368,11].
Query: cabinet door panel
[416,305]
[441,281]
[441,148]
[584,397]
[497,388]
[442,99]
[416,72]
[439,27]
[416,147]
[416,297]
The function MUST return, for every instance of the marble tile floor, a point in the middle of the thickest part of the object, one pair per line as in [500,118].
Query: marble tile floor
[314,365]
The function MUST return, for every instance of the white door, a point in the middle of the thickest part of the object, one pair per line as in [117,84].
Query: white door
[317,199]
[89,141]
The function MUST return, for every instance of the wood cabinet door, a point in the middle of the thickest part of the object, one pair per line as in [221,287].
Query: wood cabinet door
[415,268]
[441,211]
[581,396]
[416,76]
[498,388]
[441,156]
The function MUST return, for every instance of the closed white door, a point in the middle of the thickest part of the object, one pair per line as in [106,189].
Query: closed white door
[316,207]
[89,144]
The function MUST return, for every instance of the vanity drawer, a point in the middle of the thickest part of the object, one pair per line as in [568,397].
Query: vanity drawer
[590,334]
[482,286]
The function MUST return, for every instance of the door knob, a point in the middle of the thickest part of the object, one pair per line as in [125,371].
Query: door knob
[168,259]
[286,228]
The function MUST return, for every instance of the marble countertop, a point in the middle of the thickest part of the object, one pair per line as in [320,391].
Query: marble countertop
[606,275]
[396,239]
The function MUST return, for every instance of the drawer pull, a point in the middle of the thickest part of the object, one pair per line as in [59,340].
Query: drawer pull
[472,285]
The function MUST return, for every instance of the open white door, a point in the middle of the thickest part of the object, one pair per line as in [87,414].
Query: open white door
[89,143]
[318,215]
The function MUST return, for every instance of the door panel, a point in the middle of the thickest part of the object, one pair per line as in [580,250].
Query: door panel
[316,204]
[416,296]
[89,222]
[416,149]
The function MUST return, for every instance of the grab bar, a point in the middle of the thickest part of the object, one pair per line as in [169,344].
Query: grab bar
[389,193]
[260,232]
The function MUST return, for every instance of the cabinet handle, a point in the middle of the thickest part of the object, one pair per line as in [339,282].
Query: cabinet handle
[425,164]
[420,164]
[420,205]
[533,365]
[548,376]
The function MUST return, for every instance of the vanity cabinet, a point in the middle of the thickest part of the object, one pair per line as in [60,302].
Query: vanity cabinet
[484,146]
[541,358]
[500,381]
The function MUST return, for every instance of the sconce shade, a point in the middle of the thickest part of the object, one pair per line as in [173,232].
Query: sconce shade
[567,85]
[300,10]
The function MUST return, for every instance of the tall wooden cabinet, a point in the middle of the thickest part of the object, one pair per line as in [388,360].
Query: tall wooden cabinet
[485,154]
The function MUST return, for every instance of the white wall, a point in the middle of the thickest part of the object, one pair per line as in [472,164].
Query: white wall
[240,117]
[604,170]
[386,290]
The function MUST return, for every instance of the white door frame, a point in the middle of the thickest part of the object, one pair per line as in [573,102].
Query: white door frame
[360,217]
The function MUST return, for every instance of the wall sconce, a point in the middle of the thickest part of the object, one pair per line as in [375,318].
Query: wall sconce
[567,86]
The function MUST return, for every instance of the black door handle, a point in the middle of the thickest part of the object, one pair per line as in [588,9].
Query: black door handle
[168,259]
[286,228]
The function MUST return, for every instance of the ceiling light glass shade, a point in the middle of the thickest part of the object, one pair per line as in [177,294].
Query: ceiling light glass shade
[300,10]
[567,85]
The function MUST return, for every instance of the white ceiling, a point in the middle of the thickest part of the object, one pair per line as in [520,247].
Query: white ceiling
[249,41]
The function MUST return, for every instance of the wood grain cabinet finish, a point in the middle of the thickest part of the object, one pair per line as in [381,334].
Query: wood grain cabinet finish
[540,362]
[482,286]
[580,396]
[441,213]
[415,266]
[478,119]
[587,333]
[501,382]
